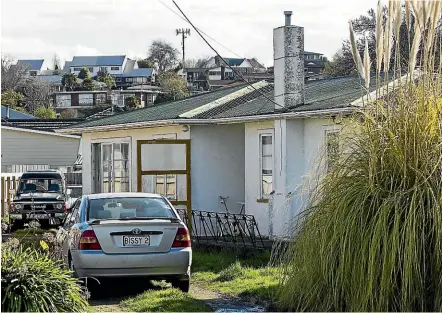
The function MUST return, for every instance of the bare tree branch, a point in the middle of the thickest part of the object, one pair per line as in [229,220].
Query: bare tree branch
[12,73]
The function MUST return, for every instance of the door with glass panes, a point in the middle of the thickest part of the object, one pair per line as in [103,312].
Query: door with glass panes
[164,168]
[113,168]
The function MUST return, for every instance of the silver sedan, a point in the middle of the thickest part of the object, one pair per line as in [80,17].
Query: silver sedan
[127,235]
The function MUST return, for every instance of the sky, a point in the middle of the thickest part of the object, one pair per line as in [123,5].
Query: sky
[38,29]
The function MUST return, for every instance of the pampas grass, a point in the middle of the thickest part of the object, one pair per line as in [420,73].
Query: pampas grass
[370,238]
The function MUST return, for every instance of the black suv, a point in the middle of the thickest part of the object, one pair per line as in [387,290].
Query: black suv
[41,195]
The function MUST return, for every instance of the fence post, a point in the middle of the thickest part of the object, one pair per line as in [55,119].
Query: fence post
[3,197]
[8,187]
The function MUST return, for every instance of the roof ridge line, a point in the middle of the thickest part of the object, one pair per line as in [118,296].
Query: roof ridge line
[223,100]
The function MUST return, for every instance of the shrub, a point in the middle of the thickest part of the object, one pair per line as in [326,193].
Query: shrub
[371,235]
[235,270]
[33,282]
[44,112]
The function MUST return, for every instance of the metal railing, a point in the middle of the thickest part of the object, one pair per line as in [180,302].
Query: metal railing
[223,229]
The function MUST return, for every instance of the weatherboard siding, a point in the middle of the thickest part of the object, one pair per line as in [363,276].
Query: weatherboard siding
[25,148]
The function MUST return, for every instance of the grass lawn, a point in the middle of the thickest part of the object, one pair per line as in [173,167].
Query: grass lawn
[166,300]
[224,272]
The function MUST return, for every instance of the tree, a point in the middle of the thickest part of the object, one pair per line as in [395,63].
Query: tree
[12,98]
[146,63]
[56,64]
[104,77]
[88,84]
[132,102]
[84,73]
[44,112]
[163,54]
[340,65]
[365,27]
[173,85]
[36,93]
[198,63]
[69,81]
[12,73]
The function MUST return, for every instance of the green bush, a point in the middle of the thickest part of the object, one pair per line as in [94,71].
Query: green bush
[43,112]
[32,282]
[235,270]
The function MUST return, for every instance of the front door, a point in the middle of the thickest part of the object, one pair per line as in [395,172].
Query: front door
[114,167]
[164,168]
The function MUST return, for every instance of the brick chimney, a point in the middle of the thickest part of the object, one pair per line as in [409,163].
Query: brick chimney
[288,56]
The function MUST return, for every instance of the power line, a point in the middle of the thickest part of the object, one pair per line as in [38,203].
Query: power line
[213,39]
[234,71]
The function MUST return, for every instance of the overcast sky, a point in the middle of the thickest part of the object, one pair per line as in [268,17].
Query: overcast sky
[40,28]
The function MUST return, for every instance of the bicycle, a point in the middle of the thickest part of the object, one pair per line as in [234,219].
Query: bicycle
[236,225]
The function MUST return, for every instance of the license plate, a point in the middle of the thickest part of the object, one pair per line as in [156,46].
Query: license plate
[37,216]
[136,240]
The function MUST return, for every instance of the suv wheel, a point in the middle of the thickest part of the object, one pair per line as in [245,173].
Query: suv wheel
[183,285]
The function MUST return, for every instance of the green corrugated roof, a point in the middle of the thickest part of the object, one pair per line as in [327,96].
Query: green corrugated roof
[163,111]
[319,95]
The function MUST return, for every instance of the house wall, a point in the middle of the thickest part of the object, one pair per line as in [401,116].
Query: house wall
[252,174]
[26,148]
[133,135]
[218,157]
[97,68]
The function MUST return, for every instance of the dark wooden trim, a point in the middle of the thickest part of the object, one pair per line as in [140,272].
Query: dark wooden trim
[262,200]
[187,171]
[164,172]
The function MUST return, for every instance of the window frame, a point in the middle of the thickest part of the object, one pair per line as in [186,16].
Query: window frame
[114,68]
[330,130]
[265,133]
[120,140]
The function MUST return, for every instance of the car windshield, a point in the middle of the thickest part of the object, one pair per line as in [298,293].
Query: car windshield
[40,185]
[129,208]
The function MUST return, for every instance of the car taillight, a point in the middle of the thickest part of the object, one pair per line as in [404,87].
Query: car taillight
[65,207]
[182,238]
[89,241]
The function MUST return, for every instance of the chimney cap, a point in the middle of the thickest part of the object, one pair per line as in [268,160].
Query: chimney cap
[288,17]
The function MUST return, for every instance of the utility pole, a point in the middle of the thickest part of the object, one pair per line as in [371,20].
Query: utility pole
[185,33]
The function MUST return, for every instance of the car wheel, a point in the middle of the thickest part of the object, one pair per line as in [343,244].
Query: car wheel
[183,285]
[16,224]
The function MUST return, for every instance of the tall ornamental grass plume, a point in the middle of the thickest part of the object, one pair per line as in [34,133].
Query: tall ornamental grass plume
[370,237]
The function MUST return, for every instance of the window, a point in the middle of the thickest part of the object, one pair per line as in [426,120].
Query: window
[77,69]
[111,167]
[33,73]
[332,147]
[266,164]
[129,79]
[91,69]
[215,73]
[166,186]
[86,99]
[118,79]
[100,98]
[115,68]
[129,208]
[63,100]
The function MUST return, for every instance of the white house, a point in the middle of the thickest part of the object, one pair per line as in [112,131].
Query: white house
[114,64]
[236,142]
[34,67]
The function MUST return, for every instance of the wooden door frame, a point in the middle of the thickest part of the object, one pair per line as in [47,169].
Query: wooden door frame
[140,172]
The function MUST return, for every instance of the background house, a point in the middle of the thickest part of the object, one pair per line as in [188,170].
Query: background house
[8,113]
[33,144]
[34,67]
[113,64]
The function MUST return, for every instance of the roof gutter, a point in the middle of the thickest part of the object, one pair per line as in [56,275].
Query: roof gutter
[230,120]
